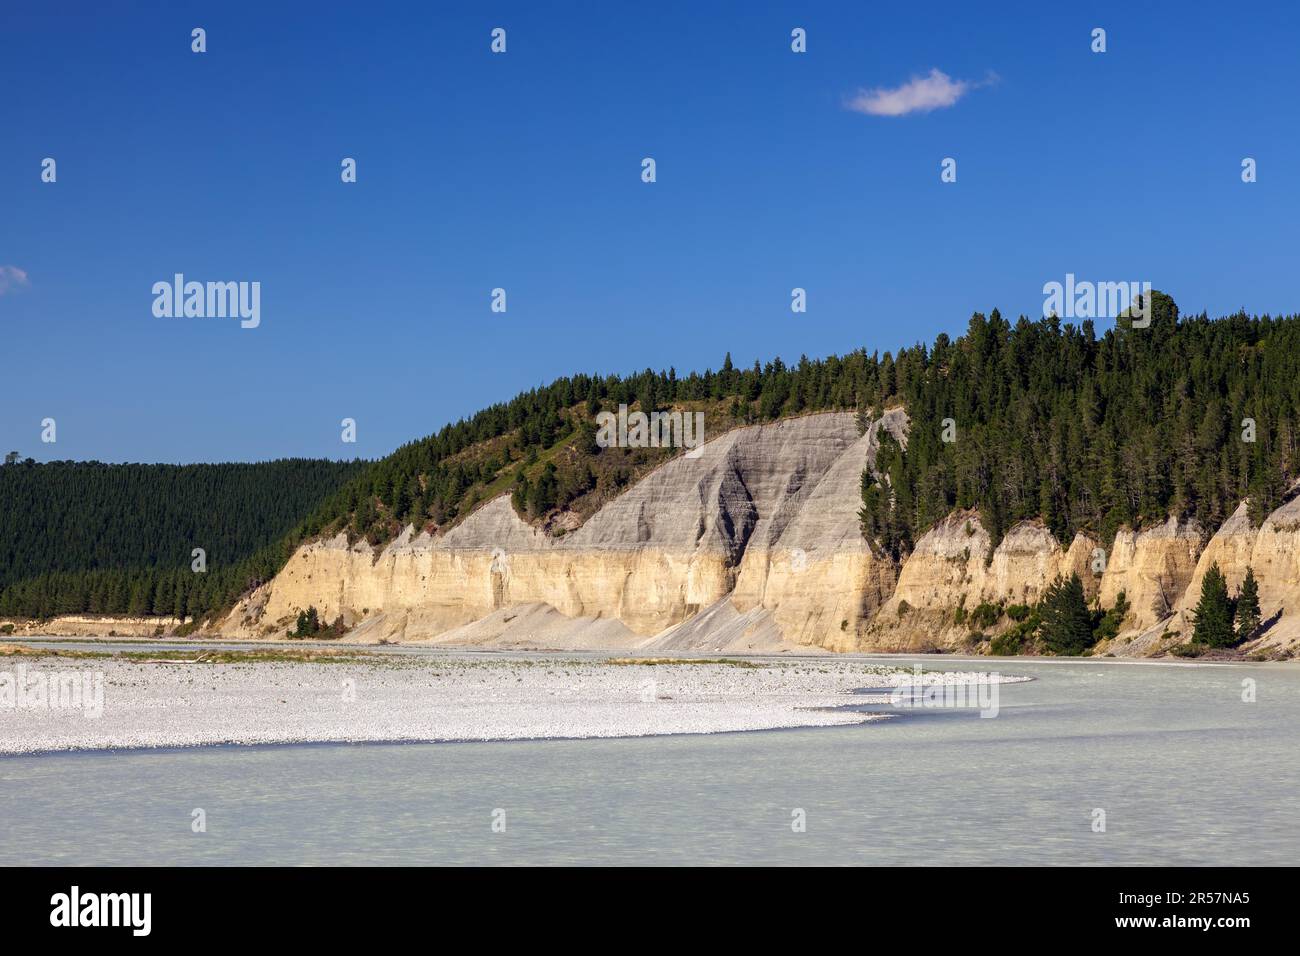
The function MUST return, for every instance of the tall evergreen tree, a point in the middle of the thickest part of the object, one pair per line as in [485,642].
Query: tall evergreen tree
[1066,621]
[1248,614]
[1213,613]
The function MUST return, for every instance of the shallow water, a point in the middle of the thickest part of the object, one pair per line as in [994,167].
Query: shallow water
[1186,772]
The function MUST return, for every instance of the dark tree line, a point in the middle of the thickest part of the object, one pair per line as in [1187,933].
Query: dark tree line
[432,479]
[119,539]
[1186,417]
[1050,420]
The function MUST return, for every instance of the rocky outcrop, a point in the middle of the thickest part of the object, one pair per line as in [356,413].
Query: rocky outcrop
[765,516]
[1272,551]
[1152,568]
[91,625]
[1275,558]
[951,567]
[816,574]
[752,542]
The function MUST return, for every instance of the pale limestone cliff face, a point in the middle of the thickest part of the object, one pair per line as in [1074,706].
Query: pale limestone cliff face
[943,569]
[949,566]
[94,625]
[1231,547]
[1272,551]
[1153,568]
[753,544]
[817,575]
[1275,558]
[765,515]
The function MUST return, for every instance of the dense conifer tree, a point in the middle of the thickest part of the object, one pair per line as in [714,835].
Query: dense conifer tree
[1213,612]
[1067,624]
[1247,610]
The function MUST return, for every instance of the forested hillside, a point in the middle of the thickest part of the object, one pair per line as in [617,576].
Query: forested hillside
[541,445]
[88,536]
[1046,419]
[1186,417]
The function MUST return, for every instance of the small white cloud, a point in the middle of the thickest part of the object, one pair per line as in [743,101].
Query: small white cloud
[920,94]
[11,277]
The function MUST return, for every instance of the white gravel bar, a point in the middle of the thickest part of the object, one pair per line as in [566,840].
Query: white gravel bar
[405,698]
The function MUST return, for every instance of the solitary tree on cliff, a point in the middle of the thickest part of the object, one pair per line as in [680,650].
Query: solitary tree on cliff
[1248,606]
[1213,614]
[1067,623]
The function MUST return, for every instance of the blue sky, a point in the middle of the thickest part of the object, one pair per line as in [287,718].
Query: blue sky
[522,171]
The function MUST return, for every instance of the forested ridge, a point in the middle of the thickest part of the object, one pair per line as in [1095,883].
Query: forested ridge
[1184,418]
[1047,419]
[119,538]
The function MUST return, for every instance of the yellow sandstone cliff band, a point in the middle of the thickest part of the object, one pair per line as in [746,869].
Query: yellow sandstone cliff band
[757,535]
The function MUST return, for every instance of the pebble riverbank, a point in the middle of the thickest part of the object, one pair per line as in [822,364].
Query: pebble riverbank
[391,698]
